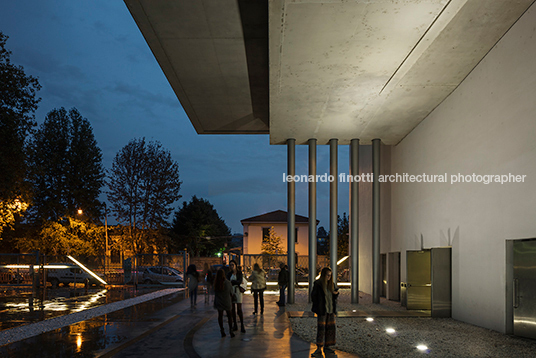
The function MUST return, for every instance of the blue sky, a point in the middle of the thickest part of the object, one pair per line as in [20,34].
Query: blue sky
[91,55]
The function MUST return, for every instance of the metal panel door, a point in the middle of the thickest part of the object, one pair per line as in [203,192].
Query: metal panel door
[441,281]
[393,276]
[419,286]
[525,288]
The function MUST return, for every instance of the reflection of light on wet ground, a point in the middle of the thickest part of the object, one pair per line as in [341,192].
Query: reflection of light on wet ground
[84,339]
[22,309]
[76,304]
[78,343]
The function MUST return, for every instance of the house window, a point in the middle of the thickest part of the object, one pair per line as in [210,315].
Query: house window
[265,234]
[296,236]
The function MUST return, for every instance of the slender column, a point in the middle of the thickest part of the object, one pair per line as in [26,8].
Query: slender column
[376,279]
[354,220]
[312,215]
[291,219]
[333,171]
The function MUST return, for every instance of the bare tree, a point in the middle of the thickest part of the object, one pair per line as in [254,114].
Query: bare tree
[144,183]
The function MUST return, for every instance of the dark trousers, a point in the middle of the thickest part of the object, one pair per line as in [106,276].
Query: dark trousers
[258,295]
[326,330]
[282,300]
[193,296]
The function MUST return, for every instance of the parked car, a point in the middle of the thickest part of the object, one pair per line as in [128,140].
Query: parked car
[71,274]
[159,274]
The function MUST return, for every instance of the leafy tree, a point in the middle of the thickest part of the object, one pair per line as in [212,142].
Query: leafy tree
[85,177]
[8,210]
[198,227]
[65,167]
[18,102]
[69,237]
[144,183]
[272,243]
[343,228]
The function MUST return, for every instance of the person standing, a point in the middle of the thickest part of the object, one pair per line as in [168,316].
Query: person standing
[193,281]
[209,282]
[282,281]
[222,300]
[258,285]
[236,277]
[324,298]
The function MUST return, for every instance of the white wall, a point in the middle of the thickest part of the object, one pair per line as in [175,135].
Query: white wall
[254,237]
[486,126]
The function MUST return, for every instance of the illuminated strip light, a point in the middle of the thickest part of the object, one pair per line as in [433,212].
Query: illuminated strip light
[28,266]
[338,263]
[342,260]
[338,284]
[87,270]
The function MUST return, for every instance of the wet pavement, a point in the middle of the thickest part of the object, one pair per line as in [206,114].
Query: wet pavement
[85,338]
[18,307]
[168,327]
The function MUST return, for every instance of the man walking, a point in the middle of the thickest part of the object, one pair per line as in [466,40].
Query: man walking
[282,281]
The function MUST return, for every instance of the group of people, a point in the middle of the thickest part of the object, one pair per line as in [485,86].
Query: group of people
[229,289]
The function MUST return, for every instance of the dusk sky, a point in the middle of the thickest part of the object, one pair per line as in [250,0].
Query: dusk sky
[92,56]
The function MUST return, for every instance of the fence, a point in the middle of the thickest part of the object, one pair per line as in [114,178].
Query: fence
[270,264]
[112,272]
[17,276]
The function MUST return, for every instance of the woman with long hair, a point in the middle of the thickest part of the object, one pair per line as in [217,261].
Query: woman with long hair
[193,281]
[235,276]
[324,298]
[222,300]
[258,285]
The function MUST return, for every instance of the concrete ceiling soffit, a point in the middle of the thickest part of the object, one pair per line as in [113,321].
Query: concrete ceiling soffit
[373,69]
[200,46]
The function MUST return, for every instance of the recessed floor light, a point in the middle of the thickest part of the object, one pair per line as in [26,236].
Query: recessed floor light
[422,347]
[370,319]
[390,330]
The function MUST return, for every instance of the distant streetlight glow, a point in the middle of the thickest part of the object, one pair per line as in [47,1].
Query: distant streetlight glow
[80,212]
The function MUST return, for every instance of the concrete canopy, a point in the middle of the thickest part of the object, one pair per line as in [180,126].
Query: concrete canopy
[319,68]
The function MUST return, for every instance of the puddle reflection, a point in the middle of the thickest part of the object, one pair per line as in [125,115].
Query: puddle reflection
[20,307]
[85,338]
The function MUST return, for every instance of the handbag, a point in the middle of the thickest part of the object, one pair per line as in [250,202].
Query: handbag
[243,286]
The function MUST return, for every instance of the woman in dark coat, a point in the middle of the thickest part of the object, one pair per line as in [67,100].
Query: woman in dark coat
[235,276]
[324,298]
[222,300]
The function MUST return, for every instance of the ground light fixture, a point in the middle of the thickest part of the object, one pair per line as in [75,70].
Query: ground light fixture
[87,270]
[370,319]
[422,347]
[390,330]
